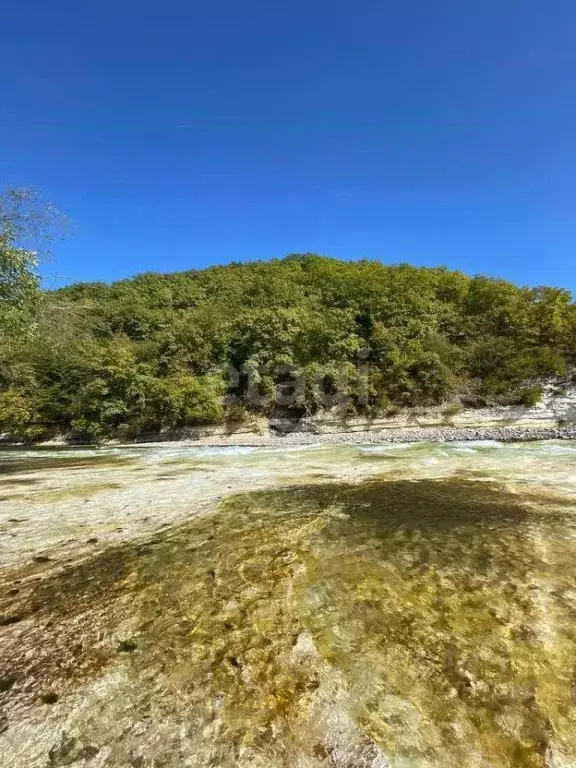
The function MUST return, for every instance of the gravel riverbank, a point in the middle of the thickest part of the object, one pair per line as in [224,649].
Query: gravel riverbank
[432,434]
[412,435]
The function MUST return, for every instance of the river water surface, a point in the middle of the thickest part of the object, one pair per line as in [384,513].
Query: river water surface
[402,606]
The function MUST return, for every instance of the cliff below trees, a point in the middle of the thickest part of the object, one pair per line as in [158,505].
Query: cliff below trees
[306,342]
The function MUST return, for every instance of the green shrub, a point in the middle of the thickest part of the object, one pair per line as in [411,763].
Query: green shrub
[531,396]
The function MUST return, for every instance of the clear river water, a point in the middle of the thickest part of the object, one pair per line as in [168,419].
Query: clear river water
[410,606]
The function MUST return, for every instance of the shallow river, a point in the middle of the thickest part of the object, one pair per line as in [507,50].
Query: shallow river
[348,606]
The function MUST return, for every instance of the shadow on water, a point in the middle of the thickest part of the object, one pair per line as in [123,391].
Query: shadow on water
[432,622]
[12,465]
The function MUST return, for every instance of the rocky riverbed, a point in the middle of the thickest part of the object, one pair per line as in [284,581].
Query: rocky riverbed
[505,434]
[319,606]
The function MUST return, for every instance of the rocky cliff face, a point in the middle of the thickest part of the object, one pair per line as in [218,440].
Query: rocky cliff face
[555,413]
[557,408]
[561,402]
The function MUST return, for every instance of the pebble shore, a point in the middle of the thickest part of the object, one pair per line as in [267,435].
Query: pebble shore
[413,435]
[504,434]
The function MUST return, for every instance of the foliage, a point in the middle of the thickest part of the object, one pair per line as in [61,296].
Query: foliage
[18,287]
[290,337]
[19,415]
[531,396]
[23,219]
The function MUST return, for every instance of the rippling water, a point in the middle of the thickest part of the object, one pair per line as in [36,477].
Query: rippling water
[402,606]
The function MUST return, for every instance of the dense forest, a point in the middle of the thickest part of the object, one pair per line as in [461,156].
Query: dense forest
[290,336]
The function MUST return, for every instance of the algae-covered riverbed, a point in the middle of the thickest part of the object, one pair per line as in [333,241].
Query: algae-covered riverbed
[402,606]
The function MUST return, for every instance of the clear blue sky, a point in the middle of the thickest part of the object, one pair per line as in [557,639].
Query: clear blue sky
[179,134]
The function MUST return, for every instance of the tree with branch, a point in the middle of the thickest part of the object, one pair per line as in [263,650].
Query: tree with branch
[27,224]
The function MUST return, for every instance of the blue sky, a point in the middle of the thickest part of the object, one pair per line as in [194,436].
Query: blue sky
[183,134]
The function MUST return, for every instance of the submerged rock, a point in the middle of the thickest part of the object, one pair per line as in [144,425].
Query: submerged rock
[417,622]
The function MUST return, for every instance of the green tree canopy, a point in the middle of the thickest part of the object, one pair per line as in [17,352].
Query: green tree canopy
[162,351]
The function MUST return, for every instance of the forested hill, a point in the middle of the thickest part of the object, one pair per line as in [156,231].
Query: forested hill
[292,335]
